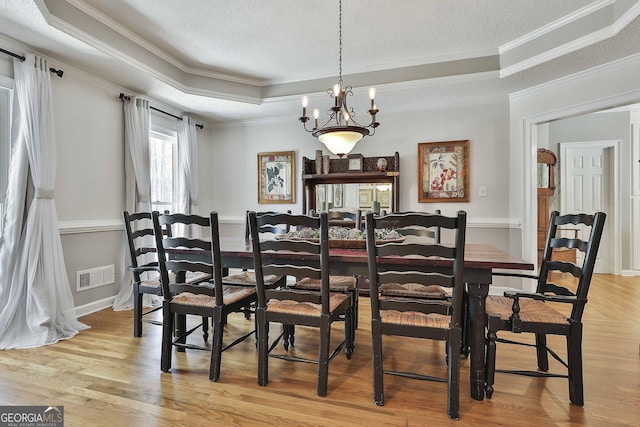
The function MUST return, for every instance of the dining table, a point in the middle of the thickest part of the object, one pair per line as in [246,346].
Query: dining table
[480,260]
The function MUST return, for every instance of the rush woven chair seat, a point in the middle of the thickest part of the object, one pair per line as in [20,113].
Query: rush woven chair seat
[540,312]
[405,314]
[209,299]
[291,306]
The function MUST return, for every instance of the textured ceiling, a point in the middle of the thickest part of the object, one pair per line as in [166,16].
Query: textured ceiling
[298,40]
[252,59]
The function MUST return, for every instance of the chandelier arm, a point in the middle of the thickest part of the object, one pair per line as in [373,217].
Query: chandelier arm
[304,124]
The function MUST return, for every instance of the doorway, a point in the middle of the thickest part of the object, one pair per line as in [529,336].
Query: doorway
[588,184]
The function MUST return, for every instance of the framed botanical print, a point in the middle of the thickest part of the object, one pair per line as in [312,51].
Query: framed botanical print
[443,171]
[276,177]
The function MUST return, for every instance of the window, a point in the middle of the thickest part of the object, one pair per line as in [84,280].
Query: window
[163,158]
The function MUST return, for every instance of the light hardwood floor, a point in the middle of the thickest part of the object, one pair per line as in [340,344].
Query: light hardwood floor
[106,377]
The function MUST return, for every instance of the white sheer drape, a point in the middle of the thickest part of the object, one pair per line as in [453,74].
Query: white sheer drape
[138,187]
[188,171]
[37,304]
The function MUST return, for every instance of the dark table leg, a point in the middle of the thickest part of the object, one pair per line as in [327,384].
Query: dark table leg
[477,319]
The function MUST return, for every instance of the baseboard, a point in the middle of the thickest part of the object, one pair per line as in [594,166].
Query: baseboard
[92,307]
[630,273]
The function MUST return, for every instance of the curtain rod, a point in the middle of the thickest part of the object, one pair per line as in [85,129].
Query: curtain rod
[128,98]
[22,58]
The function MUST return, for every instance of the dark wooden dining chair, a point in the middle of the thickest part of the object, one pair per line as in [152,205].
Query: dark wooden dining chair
[291,306]
[338,283]
[417,316]
[352,219]
[432,233]
[144,267]
[541,313]
[208,299]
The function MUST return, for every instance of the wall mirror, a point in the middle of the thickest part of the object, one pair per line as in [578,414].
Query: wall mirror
[373,188]
[351,197]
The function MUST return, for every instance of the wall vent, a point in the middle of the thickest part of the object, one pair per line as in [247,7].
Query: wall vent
[92,278]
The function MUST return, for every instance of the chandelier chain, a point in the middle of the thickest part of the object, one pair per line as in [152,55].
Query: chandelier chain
[340,38]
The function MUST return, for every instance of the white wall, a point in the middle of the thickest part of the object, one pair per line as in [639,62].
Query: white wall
[234,149]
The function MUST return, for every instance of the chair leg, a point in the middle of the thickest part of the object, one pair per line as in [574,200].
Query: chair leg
[490,360]
[355,294]
[453,388]
[263,346]
[137,311]
[181,328]
[541,350]
[323,355]
[167,338]
[288,336]
[349,333]
[574,353]
[205,328]
[378,386]
[465,348]
[216,344]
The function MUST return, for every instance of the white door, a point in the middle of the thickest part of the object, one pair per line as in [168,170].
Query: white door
[587,186]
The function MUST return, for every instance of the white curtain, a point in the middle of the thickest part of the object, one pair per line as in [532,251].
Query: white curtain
[188,171]
[37,304]
[138,188]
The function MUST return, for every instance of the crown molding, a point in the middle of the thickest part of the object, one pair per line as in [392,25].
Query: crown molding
[89,25]
[570,33]
[577,77]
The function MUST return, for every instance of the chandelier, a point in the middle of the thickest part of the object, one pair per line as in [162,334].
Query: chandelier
[341,132]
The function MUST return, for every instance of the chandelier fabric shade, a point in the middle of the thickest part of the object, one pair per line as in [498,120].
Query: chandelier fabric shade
[341,132]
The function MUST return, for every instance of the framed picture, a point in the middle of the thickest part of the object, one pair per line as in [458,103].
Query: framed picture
[365,196]
[338,194]
[384,198]
[355,162]
[276,172]
[443,171]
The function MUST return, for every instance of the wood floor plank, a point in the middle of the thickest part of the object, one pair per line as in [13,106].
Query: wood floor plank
[106,377]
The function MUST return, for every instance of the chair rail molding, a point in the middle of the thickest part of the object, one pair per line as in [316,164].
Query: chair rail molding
[90,226]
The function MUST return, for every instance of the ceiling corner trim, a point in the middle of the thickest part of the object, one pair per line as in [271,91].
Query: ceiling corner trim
[558,51]
[552,26]
[533,48]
